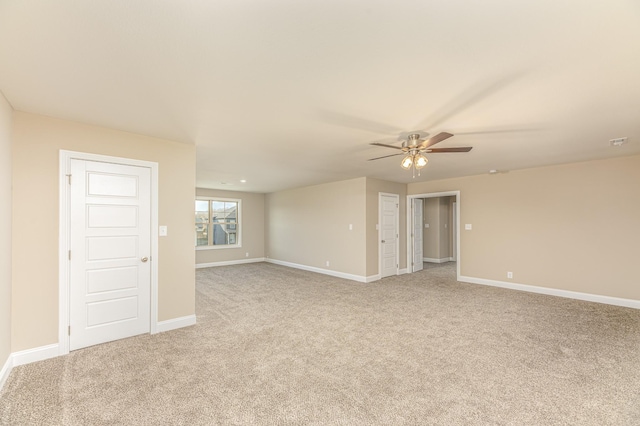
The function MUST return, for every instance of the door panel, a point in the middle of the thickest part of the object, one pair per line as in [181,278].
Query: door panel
[110,240]
[111,279]
[389,235]
[112,216]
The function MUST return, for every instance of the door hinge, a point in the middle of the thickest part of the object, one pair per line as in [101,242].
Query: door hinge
[69,254]
[69,179]
[69,331]
[397,206]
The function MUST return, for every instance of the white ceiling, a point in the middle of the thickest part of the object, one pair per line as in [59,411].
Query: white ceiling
[291,93]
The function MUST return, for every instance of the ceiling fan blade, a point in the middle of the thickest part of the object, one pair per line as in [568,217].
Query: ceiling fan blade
[460,149]
[378,158]
[385,145]
[436,139]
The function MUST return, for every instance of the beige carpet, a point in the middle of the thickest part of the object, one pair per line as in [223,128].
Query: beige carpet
[279,346]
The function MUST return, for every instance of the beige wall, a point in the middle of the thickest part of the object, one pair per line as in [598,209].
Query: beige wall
[445,227]
[374,187]
[37,141]
[309,226]
[431,235]
[5,230]
[251,228]
[573,227]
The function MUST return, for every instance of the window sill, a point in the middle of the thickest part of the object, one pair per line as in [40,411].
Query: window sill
[198,248]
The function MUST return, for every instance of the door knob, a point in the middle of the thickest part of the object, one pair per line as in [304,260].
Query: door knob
[144,259]
[383,241]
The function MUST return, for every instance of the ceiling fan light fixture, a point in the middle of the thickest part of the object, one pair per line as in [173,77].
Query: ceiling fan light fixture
[407,162]
[420,161]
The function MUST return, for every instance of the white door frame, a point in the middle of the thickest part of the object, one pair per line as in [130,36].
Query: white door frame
[455,232]
[64,237]
[397,197]
[410,199]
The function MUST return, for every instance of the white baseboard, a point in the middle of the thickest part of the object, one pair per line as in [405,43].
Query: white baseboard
[434,260]
[617,301]
[176,323]
[344,275]
[372,278]
[229,262]
[6,370]
[36,354]
[403,271]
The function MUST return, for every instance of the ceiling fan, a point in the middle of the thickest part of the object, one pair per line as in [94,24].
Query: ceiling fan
[414,147]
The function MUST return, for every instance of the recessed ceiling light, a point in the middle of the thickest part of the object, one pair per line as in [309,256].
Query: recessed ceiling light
[493,171]
[618,141]
[243,181]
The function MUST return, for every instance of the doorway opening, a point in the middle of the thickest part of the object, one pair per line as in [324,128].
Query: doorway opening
[433,229]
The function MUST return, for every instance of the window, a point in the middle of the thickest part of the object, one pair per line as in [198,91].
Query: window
[217,223]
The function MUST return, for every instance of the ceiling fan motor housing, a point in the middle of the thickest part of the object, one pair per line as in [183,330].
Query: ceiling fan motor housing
[412,140]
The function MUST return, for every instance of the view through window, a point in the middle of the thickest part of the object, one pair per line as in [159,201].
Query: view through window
[217,222]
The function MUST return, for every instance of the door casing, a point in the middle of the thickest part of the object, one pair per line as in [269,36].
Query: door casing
[64,238]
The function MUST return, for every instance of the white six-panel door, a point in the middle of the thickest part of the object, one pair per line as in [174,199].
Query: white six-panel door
[389,215]
[416,233]
[110,248]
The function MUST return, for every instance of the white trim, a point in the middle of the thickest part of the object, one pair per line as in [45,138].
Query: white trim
[36,354]
[220,247]
[397,197]
[176,323]
[617,301]
[64,230]
[155,257]
[434,260]
[229,262]
[6,370]
[344,275]
[457,224]
[372,278]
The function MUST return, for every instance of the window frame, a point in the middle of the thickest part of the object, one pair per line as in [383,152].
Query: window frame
[238,223]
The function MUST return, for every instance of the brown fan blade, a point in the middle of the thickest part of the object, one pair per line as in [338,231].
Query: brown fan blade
[436,139]
[460,149]
[378,158]
[385,145]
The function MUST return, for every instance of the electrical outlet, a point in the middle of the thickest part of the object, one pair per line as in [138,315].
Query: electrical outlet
[350,227]
[426,225]
[246,254]
[509,275]
[327,263]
